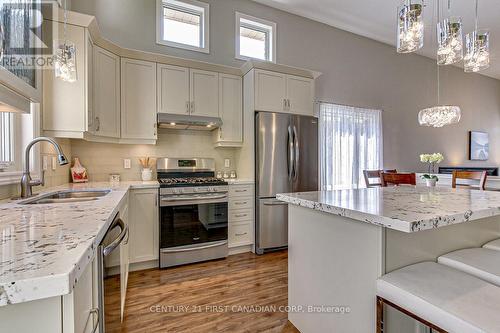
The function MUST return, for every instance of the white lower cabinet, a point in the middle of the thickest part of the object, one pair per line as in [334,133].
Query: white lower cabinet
[144,234]
[241,216]
[76,312]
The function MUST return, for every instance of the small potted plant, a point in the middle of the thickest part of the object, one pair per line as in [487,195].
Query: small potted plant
[431,160]
[430,180]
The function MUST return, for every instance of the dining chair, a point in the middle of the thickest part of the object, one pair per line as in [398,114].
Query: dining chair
[375,174]
[397,179]
[469,175]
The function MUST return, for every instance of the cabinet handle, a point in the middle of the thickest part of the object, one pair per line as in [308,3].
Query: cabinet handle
[284,103]
[241,215]
[98,124]
[192,107]
[154,132]
[288,102]
[241,203]
[187,107]
[95,312]
[241,234]
[240,191]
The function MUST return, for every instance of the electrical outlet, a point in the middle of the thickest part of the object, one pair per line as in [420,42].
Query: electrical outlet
[54,162]
[45,163]
[227,163]
[126,163]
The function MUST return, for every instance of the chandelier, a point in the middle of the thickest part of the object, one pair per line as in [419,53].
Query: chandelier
[477,48]
[439,116]
[450,45]
[65,55]
[410,27]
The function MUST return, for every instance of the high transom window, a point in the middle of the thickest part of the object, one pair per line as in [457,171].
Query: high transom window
[183,24]
[255,38]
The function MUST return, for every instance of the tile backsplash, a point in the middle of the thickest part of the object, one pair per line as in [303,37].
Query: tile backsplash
[103,159]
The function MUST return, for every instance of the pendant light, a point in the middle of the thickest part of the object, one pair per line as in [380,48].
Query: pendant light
[410,27]
[477,48]
[440,115]
[65,55]
[450,39]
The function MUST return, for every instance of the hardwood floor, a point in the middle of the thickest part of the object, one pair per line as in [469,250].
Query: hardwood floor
[243,293]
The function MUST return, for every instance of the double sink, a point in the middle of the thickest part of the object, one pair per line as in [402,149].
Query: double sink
[66,196]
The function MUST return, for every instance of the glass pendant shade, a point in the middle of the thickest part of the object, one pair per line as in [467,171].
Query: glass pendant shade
[450,45]
[65,60]
[439,116]
[477,51]
[410,27]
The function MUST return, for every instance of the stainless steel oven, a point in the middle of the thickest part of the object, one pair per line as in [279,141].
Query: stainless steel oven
[193,215]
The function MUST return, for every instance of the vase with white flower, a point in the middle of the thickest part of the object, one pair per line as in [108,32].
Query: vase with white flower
[431,159]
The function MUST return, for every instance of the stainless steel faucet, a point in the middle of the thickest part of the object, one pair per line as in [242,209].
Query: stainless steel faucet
[26,182]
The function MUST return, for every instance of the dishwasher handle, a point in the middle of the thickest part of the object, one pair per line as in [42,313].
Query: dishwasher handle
[114,244]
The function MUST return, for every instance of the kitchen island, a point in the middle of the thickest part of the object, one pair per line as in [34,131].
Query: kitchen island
[340,242]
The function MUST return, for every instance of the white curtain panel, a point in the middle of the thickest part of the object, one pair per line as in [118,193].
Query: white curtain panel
[350,141]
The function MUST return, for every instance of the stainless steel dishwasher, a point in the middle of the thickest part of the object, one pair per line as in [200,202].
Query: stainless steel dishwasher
[116,234]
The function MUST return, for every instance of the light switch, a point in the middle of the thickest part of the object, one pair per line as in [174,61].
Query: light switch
[227,163]
[45,162]
[54,163]
[126,163]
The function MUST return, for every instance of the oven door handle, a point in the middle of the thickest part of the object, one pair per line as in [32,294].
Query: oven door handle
[194,248]
[223,196]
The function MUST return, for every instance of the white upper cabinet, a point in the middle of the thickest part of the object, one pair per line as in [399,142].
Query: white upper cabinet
[173,89]
[106,93]
[204,89]
[270,91]
[65,103]
[277,92]
[230,134]
[300,95]
[138,99]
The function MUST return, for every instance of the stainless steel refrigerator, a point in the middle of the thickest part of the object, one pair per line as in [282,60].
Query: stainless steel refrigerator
[286,160]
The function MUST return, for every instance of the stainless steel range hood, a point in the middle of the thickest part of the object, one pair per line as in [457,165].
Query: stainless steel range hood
[177,121]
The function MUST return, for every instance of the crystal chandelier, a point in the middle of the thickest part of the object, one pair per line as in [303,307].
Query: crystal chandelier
[65,55]
[450,39]
[477,48]
[439,115]
[410,27]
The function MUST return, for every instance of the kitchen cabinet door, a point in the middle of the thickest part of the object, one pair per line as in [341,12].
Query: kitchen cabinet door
[144,234]
[230,111]
[106,93]
[64,112]
[270,91]
[204,91]
[300,94]
[138,99]
[173,89]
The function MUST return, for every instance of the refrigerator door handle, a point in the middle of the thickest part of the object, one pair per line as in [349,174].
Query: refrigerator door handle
[296,154]
[291,155]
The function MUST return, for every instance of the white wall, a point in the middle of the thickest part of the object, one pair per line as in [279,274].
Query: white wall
[356,71]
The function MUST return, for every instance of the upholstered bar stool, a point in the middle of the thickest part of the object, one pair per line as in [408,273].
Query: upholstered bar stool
[483,263]
[441,297]
[493,245]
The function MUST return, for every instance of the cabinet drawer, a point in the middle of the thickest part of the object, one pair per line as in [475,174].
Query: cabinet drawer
[240,234]
[240,191]
[241,203]
[240,215]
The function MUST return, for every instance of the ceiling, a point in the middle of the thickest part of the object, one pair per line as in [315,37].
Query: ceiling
[376,19]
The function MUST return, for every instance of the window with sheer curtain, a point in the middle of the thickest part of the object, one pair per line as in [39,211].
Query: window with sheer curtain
[350,142]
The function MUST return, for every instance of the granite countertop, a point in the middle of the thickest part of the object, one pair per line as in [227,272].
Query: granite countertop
[403,208]
[45,248]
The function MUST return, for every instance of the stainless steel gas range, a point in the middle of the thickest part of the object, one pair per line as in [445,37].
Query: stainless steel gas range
[193,211]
